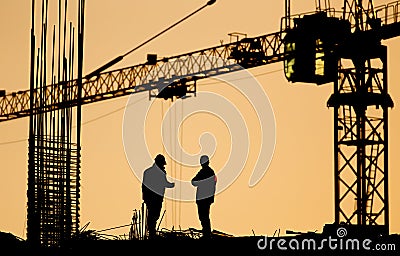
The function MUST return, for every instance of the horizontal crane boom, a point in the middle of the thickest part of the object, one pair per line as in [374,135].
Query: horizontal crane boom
[248,52]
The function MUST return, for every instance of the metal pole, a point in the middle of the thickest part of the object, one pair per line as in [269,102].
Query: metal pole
[386,139]
[32,228]
[336,154]
[81,25]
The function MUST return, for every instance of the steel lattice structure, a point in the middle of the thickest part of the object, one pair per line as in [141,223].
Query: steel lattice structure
[361,101]
[249,52]
[361,104]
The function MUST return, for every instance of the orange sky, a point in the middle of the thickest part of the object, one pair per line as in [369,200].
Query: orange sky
[297,191]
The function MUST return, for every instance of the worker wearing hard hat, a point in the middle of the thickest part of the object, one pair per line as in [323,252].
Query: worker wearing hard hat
[153,189]
[205,181]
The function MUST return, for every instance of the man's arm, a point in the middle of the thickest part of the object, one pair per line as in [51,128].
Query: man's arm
[167,183]
[170,184]
[196,180]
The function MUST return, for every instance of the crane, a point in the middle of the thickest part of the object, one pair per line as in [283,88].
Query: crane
[360,141]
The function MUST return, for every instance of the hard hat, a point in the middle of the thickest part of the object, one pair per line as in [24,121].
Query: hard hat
[160,159]
[204,159]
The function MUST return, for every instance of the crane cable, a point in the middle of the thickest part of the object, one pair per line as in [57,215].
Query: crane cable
[119,58]
[176,171]
[172,163]
[181,163]
[174,155]
[163,150]
[179,146]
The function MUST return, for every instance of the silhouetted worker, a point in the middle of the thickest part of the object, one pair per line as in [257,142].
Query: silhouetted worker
[205,181]
[153,189]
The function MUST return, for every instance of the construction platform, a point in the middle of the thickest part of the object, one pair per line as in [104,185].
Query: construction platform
[300,244]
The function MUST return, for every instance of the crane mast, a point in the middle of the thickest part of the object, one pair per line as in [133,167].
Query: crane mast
[361,101]
[347,50]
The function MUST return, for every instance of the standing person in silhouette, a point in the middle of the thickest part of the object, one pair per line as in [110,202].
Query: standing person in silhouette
[153,189]
[205,181]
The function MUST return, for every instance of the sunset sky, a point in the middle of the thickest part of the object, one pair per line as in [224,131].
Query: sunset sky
[296,193]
